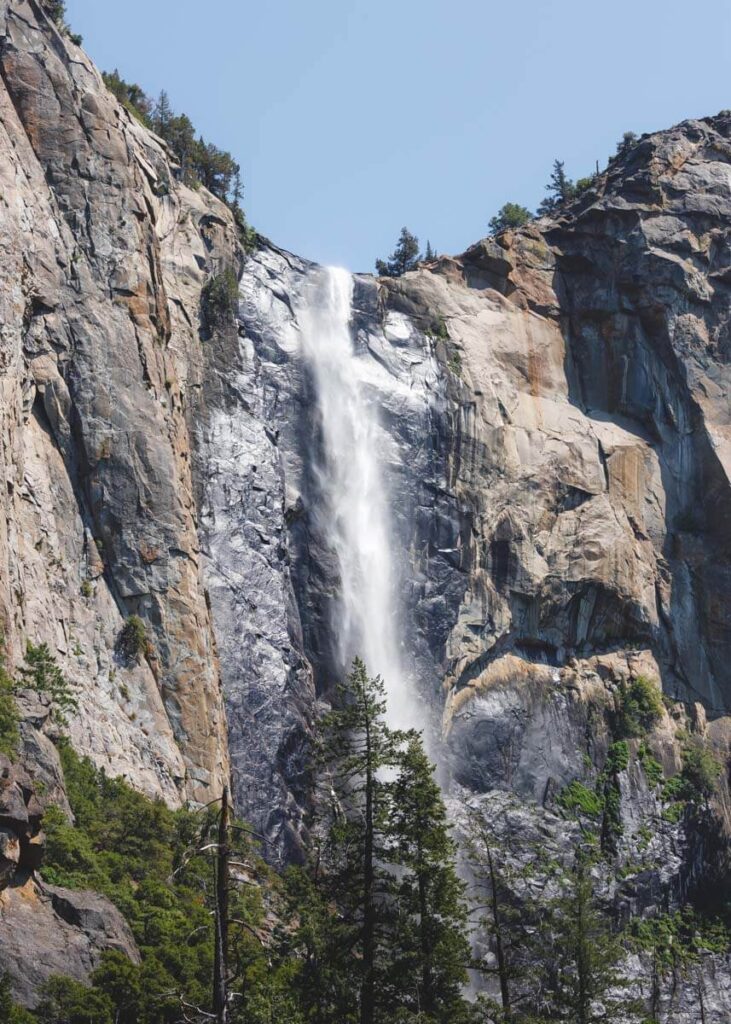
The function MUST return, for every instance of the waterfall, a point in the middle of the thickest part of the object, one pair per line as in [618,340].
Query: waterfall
[353,513]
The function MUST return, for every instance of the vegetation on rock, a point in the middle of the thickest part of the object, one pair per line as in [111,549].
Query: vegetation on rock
[511,215]
[132,641]
[219,298]
[404,257]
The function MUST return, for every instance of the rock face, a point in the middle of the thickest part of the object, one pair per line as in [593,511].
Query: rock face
[46,930]
[104,260]
[555,426]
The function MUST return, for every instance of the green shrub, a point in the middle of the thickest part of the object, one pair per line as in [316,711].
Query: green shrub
[41,673]
[652,768]
[700,771]
[10,1012]
[132,640]
[9,718]
[639,708]
[697,780]
[219,299]
[576,797]
[511,215]
[66,1001]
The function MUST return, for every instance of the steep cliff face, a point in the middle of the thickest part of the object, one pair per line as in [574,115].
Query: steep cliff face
[555,430]
[104,260]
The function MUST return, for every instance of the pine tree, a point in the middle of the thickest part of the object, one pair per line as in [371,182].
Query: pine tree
[357,746]
[404,257]
[429,949]
[509,915]
[162,115]
[560,189]
[584,957]
[431,254]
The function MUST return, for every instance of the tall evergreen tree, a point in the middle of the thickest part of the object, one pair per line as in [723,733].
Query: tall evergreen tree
[357,747]
[560,189]
[430,949]
[583,970]
[162,115]
[404,257]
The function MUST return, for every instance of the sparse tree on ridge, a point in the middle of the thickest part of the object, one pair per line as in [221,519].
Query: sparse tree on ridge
[404,257]
[560,189]
[626,143]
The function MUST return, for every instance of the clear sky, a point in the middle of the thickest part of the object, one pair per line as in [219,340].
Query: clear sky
[351,118]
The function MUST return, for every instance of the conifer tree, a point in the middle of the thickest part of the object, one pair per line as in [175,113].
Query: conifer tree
[560,189]
[162,115]
[430,949]
[583,969]
[404,257]
[430,254]
[357,746]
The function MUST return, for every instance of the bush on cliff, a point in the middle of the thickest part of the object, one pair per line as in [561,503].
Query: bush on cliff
[639,708]
[511,215]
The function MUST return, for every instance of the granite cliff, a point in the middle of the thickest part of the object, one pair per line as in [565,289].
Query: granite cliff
[556,424]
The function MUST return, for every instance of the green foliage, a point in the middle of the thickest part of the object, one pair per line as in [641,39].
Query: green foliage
[584,184]
[9,717]
[65,1001]
[560,190]
[41,673]
[132,639]
[696,781]
[652,768]
[701,770]
[10,1012]
[404,257]
[639,708]
[130,95]
[56,11]
[219,299]
[380,910]
[617,761]
[201,162]
[147,860]
[429,920]
[617,758]
[455,362]
[509,216]
[576,797]
[585,955]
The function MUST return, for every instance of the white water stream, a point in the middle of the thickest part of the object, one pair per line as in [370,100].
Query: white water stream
[354,514]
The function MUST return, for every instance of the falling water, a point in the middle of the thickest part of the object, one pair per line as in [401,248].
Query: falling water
[354,510]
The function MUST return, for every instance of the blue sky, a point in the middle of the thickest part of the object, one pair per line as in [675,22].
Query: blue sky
[353,117]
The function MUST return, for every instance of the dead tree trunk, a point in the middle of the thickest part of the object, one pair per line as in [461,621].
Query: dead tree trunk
[220,963]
